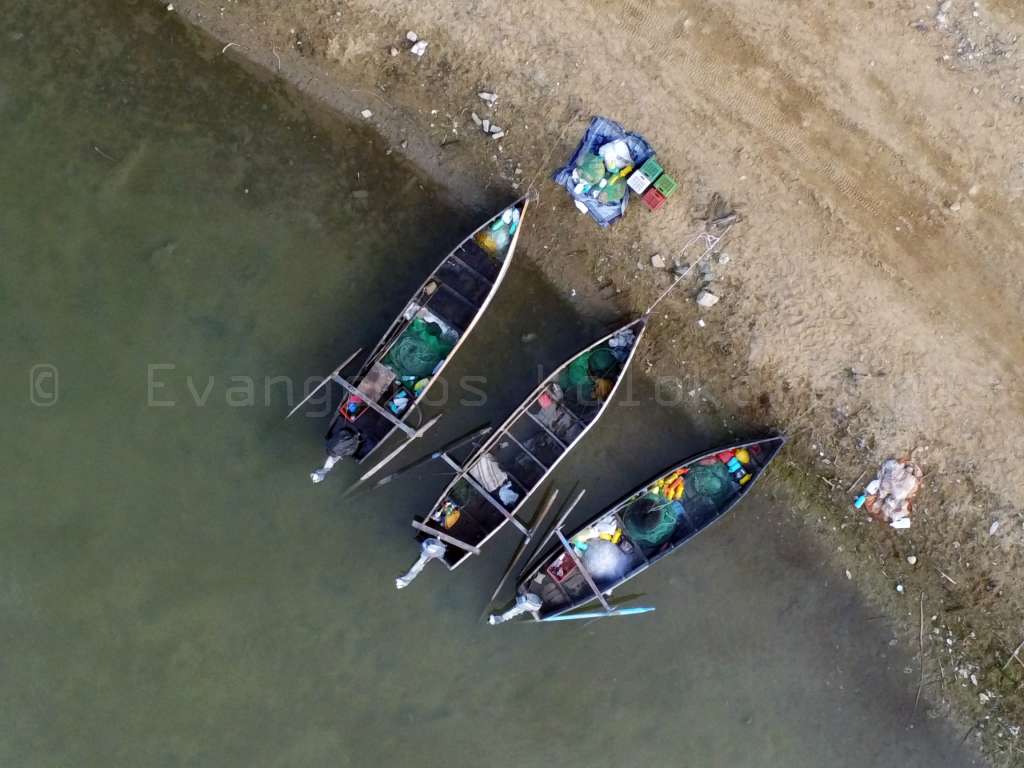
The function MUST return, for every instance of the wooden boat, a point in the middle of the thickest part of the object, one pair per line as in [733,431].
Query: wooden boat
[652,522]
[388,388]
[492,487]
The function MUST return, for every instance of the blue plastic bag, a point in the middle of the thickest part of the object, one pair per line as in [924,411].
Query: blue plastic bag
[601,131]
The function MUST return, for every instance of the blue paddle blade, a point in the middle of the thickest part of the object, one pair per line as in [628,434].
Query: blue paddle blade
[603,614]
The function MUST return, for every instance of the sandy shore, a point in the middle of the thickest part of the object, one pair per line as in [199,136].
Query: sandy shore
[871,301]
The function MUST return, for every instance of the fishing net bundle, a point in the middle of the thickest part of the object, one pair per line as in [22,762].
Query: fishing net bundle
[650,520]
[590,378]
[709,488]
[418,350]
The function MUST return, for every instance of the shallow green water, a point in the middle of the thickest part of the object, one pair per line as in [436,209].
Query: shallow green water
[174,591]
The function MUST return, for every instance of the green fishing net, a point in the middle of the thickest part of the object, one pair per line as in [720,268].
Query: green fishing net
[576,373]
[709,487]
[602,362]
[650,520]
[418,350]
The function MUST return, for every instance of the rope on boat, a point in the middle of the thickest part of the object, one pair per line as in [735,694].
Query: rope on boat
[431,549]
[528,603]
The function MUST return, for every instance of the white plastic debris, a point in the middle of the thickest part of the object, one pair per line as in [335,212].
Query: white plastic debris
[615,154]
[888,497]
[411,36]
[707,299]
[367,114]
[490,98]
[496,129]
[993,528]
[393,51]
[899,588]
[658,261]
[487,125]
[419,48]
[912,560]
[498,135]
[170,7]
[507,495]
[701,322]
[476,118]
[580,206]
[848,574]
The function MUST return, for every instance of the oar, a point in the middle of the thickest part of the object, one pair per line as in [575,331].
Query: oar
[549,502]
[602,614]
[414,436]
[457,443]
[321,384]
[555,527]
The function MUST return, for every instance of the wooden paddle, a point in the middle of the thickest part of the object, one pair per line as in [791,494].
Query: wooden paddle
[320,386]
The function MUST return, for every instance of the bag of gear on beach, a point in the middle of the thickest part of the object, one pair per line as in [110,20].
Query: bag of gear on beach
[598,189]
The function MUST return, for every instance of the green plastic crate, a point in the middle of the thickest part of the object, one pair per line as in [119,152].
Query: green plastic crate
[666,184]
[652,168]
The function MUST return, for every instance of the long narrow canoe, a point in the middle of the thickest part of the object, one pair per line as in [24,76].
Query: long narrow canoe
[493,486]
[423,339]
[652,522]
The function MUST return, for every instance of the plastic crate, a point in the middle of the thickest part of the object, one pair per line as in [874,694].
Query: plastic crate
[639,182]
[653,199]
[666,185]
[651,168]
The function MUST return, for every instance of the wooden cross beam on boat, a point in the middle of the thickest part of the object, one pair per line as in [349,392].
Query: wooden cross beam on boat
[375,406]
[583,571]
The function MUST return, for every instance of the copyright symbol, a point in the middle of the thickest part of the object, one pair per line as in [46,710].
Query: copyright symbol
[42,385]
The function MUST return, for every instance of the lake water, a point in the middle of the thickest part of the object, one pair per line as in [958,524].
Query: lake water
[176,232]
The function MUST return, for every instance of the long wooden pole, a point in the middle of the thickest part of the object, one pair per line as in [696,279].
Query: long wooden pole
[549,502]
[585,573]
[601,614]
[423,459]
[414,436]
[320,386]
[559,524]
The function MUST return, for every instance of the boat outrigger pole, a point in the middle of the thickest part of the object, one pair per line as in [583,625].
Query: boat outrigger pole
[545,507]
[415,435]
[583,570]
[458,443]
[634,611]
[320,386]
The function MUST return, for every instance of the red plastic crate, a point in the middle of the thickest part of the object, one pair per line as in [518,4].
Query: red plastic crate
[653,199]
